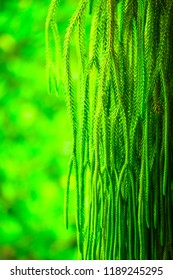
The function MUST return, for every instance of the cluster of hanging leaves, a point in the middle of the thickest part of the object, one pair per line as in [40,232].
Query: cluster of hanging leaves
[122,126]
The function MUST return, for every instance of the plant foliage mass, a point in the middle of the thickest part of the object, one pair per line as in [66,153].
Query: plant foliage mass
[121,125]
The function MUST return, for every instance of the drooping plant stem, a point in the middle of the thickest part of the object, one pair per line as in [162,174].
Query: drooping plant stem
[122,126]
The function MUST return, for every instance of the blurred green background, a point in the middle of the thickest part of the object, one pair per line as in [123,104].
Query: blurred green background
[35,138]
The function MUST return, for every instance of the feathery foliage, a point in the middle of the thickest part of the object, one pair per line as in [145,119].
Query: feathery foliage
[122,127]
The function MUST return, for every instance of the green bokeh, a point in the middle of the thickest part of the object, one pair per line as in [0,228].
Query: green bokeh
[35,139]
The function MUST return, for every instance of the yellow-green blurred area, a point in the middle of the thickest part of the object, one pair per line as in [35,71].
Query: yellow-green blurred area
[35,138]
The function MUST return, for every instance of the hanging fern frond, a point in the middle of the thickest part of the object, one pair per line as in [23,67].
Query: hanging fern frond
[53,50]
[122,152]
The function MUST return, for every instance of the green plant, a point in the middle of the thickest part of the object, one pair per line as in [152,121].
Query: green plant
[122,126]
